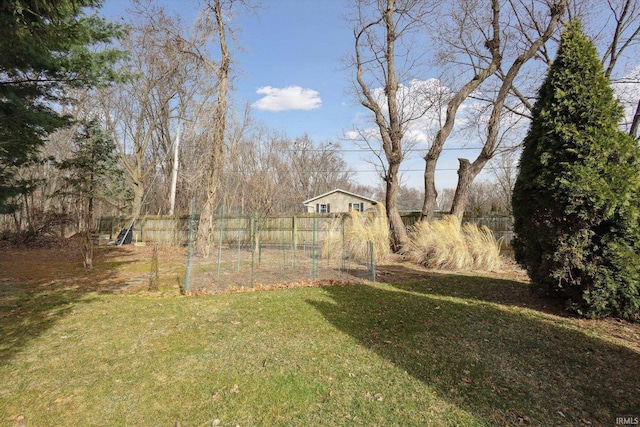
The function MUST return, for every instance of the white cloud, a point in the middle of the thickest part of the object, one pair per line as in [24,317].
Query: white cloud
[352,135]
[288,98]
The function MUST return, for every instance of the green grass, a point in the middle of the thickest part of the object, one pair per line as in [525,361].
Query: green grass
[452,350]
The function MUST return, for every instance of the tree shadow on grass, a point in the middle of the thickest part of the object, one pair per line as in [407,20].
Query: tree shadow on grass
[488,289]
[503,365]
[42,290]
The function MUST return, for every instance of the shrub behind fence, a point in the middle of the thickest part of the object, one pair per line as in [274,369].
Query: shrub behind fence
[169,230]
[248,251]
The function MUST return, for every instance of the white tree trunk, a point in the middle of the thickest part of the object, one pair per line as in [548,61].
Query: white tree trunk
[174,175]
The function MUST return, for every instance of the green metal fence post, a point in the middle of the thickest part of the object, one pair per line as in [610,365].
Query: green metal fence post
[220,243]
[343,255]
[187,274]
[373,261]
[293,241]
[260,246]
[253,248]
[238,227]
[283,244]
[313,251]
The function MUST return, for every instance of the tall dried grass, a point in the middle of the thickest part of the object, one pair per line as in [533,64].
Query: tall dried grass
[351,238]
[444,244]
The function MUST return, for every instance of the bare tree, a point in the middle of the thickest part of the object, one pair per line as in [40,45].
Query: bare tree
[624,36]
[625,17]
[526,20]
[142,114]
[383,59]
[316,168]
[256,175]
[409,199]
[266,171]
[615,26]
[484,199]
[474,31]
[504,172]
[445,199]
[214,9]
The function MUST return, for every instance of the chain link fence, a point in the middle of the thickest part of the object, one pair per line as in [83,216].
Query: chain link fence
[249,251]
[253,252]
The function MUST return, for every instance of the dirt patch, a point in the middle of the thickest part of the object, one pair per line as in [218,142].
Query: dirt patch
[53,267]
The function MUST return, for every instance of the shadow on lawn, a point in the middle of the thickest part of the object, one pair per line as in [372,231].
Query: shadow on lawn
[488,289]
[34,296]
[504,366]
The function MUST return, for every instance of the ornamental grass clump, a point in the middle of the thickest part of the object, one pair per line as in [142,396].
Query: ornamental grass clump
[483,247]
[445,244]
[349,236]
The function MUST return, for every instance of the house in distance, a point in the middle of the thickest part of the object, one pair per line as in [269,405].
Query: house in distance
[339,201]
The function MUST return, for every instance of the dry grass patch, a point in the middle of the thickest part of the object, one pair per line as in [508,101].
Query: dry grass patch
[349,237]
[445,244]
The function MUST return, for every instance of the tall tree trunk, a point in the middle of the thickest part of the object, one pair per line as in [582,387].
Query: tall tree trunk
[393,148]
[138,198]
[467,172]
[27,211]
[204,238]
[390,125]
[430,203]
[86,243]
[431,159]
[397,229]
[174,175]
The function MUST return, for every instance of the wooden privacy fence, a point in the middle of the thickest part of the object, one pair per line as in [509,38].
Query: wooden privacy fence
[162,229]
[500,225]
[297,229]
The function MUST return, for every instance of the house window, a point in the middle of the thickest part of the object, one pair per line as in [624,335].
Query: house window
[323,208]
[358,207]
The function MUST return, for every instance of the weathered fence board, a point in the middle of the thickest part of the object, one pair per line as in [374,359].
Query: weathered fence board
[500,225]
[278,229]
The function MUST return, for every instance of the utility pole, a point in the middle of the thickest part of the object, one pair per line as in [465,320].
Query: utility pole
[174,174]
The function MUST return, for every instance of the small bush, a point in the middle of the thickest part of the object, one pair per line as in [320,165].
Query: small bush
[444,244]
[359,230]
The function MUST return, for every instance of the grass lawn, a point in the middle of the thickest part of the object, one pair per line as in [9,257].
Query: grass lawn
[449,350]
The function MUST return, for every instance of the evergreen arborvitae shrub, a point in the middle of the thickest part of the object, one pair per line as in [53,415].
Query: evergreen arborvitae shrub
[576,201]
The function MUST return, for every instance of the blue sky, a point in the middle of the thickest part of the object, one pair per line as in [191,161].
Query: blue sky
[298,44]
[291,72]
